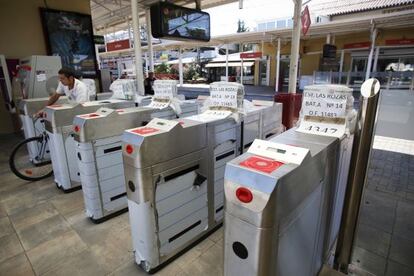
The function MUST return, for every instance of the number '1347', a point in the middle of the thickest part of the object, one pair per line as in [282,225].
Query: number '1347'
[322,129]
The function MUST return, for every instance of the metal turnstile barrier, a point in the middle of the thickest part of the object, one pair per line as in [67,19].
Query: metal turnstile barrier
[166,173]
[99,154]
[175,179]
[58,123]
[282,213]
[284,197]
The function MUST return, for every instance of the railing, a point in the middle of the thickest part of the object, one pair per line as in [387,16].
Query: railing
[388,80]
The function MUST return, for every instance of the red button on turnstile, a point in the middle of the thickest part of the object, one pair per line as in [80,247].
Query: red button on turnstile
[145,130]
[76,128]
[129,149]
[261,164]
[244,195]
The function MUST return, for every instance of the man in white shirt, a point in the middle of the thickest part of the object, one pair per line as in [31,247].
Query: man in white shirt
[74,89]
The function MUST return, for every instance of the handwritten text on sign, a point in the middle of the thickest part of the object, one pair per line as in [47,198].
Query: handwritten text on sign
[224,96]
[158,104]
[324,103]
[321,128]
[165,89]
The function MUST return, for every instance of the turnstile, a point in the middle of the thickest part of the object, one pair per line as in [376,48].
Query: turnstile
[283,204]
[100,157]
[33,127]
[175,173]
[271,120]
[58,123]
[166,173]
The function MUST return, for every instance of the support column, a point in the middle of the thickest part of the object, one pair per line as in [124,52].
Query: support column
[105,36]
[341,66]
[129,32]
[277,65]
[377,52]
[98,58]
[241,65]
[149,40]
[371,51]
[147,69]
[328,39]
[137,48]
[241,72]
[341,62]
[294,51]
[180,67]
[227,62]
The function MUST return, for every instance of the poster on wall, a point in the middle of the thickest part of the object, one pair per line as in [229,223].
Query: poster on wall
[70,36]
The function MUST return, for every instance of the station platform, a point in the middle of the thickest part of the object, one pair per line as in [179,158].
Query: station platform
[385,236]
[45,232]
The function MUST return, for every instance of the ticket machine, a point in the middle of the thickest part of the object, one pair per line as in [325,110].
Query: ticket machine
[58,123]
[99,154]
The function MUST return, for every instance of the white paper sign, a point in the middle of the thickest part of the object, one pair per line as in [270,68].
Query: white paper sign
[165,89]
[325,103]
[224,95]
[322,128]
[210,116]
[40,76]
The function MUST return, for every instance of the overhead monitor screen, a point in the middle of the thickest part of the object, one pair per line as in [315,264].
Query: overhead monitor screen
[179,23]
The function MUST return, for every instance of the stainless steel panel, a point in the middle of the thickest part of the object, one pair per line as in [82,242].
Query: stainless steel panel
[297,204]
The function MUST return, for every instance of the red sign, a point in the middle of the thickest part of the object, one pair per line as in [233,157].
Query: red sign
[251,55]
[403,41]
[306,20]
[144,130]
[261,164]
[364,44]
[117,45]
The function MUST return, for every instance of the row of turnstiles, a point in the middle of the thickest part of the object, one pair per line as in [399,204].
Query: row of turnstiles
[280,194]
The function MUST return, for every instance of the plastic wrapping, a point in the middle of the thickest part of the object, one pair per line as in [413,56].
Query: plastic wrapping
[123,89]
[165,94]
[90,84]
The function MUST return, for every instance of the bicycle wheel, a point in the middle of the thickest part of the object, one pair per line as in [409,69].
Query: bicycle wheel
[34,166]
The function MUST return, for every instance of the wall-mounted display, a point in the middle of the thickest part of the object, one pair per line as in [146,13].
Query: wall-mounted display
[70,36]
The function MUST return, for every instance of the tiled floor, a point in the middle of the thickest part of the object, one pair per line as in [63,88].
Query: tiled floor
[385,236]
[45,232]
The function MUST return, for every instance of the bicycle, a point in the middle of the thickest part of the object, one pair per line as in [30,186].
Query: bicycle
[30,159]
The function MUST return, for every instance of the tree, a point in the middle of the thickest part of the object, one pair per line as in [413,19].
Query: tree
[241,27]
[163,68]
[190,72]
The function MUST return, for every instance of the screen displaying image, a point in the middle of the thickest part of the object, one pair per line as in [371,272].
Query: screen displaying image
[70,36]
[186,23]
[179,23]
